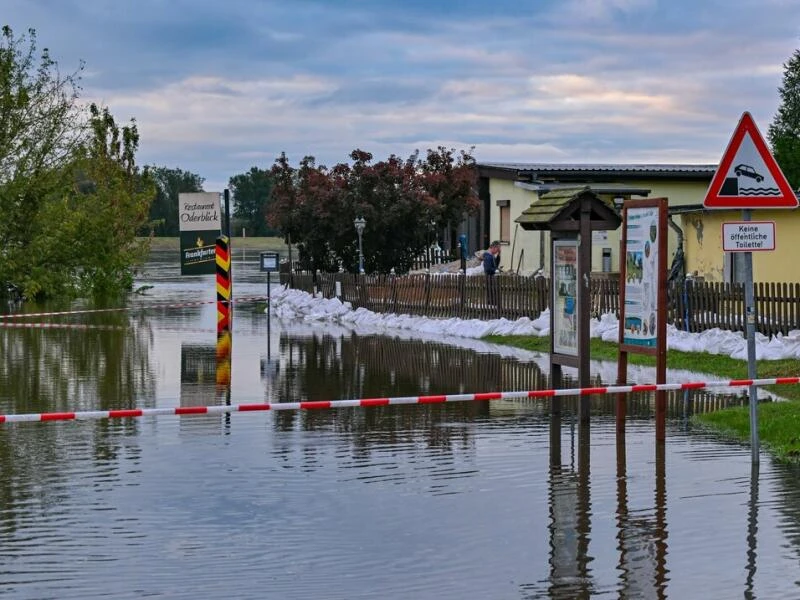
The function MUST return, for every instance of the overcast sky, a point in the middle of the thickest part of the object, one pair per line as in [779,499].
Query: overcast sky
[220,86]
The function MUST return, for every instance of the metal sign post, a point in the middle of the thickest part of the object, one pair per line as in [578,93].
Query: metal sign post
[750,328]
[269,263]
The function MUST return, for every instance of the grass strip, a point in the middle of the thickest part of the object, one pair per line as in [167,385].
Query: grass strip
[237,243]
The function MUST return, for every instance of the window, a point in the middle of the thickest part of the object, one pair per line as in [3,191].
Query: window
[505,220]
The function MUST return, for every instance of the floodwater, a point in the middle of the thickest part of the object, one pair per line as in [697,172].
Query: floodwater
[465,500]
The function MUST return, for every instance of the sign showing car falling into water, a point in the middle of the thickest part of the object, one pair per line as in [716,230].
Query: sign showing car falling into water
[748,176]
[743,180]
[743,170]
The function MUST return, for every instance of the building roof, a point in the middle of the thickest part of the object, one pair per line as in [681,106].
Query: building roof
[610,189]
[538,171]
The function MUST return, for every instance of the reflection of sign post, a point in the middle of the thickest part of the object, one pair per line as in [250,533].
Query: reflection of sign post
[199,219]
[643,295]
[565,297]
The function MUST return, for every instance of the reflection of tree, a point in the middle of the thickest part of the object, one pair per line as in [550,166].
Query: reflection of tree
[55,370]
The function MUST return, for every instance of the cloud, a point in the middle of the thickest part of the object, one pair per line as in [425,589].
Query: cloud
[219,87]
[603,10]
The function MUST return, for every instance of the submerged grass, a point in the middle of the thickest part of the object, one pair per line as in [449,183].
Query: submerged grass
[778,426]
[779,422]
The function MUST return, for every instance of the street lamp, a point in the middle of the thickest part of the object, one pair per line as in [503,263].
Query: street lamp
[360,223]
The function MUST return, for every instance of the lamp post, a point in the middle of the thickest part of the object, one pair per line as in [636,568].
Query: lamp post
[360,224]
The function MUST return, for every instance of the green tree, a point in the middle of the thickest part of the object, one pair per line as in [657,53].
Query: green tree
[170,183]
[84,237]
[41,126]
[784,132]
[71,195]
[251,197]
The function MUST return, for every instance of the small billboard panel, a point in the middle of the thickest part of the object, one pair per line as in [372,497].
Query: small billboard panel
[200,221]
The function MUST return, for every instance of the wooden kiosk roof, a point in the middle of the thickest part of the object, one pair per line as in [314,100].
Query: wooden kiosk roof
[561,210]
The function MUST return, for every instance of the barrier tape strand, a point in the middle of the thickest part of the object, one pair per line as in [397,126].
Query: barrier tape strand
[370,402]
[142,307]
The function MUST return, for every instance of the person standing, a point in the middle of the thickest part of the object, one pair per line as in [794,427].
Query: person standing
[491,264]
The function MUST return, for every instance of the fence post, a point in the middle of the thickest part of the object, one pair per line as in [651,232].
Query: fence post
[686,309]
[427,292]
[463,293]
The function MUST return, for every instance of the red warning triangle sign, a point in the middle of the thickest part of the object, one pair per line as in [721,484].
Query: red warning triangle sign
[748,177]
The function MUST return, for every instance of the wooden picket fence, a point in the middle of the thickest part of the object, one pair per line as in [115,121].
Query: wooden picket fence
[433,256]
[693,306]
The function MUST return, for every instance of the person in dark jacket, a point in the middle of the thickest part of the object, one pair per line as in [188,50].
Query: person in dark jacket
[491,264]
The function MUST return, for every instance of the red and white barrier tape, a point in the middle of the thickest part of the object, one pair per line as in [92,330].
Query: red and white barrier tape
[83,326]
[142,307]
[369,402]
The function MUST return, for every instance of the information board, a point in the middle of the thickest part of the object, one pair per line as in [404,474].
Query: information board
[565,297]
[641,276]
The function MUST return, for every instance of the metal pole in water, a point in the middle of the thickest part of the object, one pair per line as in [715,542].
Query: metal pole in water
[750,317]
[269,311]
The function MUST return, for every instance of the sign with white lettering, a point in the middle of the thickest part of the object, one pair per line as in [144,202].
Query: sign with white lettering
[748,236]
[200,221]
[270,262]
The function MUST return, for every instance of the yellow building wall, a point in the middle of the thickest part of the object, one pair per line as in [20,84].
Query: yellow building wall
[512,256]
[704,255]
[680,193]
[523,247]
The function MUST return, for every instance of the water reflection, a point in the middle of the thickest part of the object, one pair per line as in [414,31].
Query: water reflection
[501,499]
[752,534]
[66,369]
[570,517]
[642,537]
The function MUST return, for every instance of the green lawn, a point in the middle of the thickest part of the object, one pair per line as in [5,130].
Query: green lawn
[249,243]
[779,422]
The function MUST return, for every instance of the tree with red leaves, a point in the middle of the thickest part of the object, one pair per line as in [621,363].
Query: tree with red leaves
[314,207]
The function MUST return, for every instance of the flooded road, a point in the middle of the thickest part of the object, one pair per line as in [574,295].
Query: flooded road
[465,500]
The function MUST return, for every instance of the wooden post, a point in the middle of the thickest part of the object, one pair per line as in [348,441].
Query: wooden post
[584,303]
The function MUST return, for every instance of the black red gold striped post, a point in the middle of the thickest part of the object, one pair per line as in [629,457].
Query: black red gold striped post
[224,284]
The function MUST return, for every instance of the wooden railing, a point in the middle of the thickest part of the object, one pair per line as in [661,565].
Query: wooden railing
[693,306]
